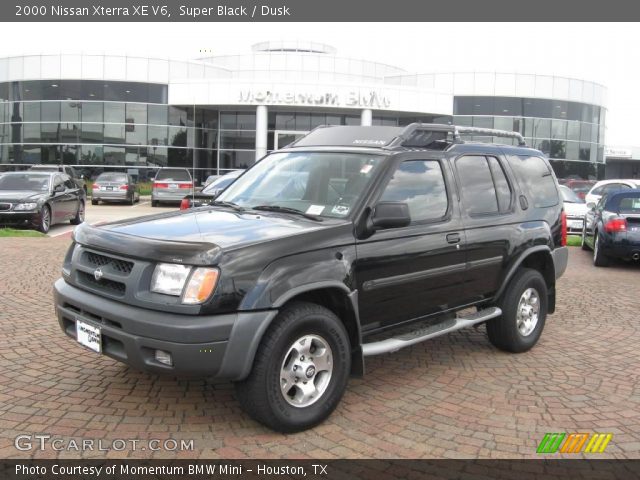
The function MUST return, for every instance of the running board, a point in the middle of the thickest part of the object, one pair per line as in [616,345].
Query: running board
[411,338]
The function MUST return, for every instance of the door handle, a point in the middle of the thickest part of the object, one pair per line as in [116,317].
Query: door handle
[453,237]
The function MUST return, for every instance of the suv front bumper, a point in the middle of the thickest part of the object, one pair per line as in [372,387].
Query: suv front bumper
[222,346]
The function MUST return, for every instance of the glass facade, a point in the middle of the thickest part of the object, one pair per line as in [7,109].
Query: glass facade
[95,124]
[571,134]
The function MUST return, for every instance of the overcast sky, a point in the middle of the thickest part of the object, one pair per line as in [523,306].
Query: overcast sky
[605,53]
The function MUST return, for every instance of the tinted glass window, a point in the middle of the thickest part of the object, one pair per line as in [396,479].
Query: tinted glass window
[503,190]
[629,205]
[614,187]
[569,195]
[537,178]
[420,184]
[179,175]
[478,191]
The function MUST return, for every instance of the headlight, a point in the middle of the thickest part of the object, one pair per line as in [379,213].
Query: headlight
[169,278]
[25,206]
[201,285]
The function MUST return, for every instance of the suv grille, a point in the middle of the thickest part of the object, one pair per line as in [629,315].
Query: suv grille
[4,207]
[106,285]
[97,260]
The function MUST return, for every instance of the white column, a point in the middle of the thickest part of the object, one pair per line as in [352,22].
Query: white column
[366,118]
[261,131]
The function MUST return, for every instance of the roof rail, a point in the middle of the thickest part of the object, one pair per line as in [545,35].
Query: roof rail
[414,129]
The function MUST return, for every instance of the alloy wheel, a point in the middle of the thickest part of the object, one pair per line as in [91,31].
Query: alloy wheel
[528,311]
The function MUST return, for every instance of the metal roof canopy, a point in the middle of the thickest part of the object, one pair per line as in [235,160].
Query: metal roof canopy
[416,135]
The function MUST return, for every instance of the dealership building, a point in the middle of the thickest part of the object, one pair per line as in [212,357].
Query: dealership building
[223,112]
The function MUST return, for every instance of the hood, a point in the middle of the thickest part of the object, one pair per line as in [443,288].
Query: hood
[15,196]
[575,209]
[195,237]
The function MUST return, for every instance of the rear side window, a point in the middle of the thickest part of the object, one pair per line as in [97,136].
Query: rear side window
[419,184]
[484,186]
[175,175]
[537,179]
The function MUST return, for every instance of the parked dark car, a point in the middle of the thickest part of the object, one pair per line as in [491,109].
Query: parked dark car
[210,192]
[350,242]
[115,186]
[72,172]
[39,199]
[612,227]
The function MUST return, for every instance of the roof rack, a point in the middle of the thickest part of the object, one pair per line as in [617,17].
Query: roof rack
[433,136]
[414,130]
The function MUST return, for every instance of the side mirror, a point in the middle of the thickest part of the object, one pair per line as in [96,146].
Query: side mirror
[591,206]
[59,188]
[390,215]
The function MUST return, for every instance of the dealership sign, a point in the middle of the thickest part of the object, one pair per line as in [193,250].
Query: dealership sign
[354,98]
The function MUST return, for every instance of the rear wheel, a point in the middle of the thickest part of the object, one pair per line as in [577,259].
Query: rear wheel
[94,201]
[154,203]
[79,218]
[300,371]
[599,258]
[132,200]
[524,311]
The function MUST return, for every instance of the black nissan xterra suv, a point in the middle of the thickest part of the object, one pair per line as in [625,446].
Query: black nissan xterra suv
[350,242]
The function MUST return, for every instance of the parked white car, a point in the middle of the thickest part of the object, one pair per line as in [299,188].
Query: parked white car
[575,208]
[606,186]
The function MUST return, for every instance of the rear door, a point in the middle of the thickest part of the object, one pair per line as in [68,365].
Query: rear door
[410,272]
[487,207]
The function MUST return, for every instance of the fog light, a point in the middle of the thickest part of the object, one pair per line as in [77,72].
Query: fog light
[164,357]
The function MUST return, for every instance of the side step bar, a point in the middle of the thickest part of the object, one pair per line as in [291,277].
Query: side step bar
[411,338]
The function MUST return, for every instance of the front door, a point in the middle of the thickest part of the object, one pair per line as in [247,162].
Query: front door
[414,271]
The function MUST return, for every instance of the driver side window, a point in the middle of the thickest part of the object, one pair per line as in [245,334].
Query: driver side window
[420,184]
[57,181]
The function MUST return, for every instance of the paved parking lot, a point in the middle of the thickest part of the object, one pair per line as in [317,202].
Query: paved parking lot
[108,212]
[455,396]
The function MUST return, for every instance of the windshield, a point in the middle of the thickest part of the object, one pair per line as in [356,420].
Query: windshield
[35,183]
[221,182]
[569,195]
[318,183]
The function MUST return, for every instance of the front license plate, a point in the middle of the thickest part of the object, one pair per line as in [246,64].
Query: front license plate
[89,336]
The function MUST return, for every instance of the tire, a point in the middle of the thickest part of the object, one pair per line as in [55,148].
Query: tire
[45,219]
[154,203]
[521,323]
[94,201]
[583,243]
[298,329]
[79,218]
[599,258]
[132,200]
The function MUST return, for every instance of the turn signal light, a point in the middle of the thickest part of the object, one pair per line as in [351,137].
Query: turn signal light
[616,225]
[96,186]
[201,285]
[124,187]
[160,185]
[186,185]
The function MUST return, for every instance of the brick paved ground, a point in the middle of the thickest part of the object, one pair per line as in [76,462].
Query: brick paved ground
[455,396]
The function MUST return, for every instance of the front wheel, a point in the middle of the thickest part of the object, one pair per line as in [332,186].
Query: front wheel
[300,371]
[45,219]
[583,241]
[524,311]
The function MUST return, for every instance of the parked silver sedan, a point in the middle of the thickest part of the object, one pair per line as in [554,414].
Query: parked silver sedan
[116,187]
[171,185]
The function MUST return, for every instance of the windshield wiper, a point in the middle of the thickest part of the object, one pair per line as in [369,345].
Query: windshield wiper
[295,211]
[233,206]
